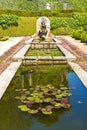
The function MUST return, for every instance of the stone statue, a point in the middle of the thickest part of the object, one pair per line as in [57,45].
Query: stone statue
[43,27]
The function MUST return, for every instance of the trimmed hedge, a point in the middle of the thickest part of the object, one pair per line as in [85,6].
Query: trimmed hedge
[8,20]
[80,35]
[30,13]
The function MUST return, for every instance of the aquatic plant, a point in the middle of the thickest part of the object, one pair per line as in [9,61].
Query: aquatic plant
[23,108]
[32,111]
[43,99]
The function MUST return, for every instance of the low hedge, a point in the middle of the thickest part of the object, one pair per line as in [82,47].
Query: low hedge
[80,35]
[4,38]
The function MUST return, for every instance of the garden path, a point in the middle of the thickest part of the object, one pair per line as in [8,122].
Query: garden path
[6,45]
[8,49]
[75,42]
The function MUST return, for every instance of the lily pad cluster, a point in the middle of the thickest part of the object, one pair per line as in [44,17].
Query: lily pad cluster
[43,99]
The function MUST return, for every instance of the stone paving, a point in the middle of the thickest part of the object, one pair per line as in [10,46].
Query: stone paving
[82,74]
[7,75]
[77,43]
[6,45]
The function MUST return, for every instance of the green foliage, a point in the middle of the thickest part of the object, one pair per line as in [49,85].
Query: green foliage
[80,35]
[44,99]
[80,20]
[76,21]
[41,4]
[62,31]
[23,108]
[83,37]
[4,38]
[77,34]
[8,20]
[26,26]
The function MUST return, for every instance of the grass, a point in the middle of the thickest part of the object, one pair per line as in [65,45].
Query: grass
[26,26]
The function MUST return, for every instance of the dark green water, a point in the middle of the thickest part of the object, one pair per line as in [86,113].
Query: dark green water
[75,118]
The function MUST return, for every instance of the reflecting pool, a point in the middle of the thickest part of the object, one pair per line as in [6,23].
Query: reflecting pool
[74,118]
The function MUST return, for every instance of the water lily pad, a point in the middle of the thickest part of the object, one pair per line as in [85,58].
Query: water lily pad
[64,101]
[63,88]
[53,90]
[17,97]
[23,108]
[53,102]
[59,96]
[49,86]
[38,100]
[30,98]
[66,105]
[32,111]
[59,91]
[49,107]
[58,105]
[46,112]
[47,100]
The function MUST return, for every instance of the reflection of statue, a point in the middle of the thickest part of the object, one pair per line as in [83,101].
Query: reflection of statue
[43,27]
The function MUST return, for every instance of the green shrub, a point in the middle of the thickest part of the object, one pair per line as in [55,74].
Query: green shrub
[77,34]
[8,20]
[62,31]
[84,37]
[80,35]
[4,38]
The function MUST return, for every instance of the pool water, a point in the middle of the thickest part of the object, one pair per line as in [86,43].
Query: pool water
[44,52]
[74,118]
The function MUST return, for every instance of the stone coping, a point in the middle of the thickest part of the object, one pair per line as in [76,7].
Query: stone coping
[67,54]
[43,43]
[44,58]
[29,58]
[21,53]
[59,58]
[7,76]
[82,74]
[29,41]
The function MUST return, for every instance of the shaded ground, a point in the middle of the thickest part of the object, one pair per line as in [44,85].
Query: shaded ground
[6,58]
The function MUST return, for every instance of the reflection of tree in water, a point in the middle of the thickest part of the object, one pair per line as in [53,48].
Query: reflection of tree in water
[54,75]
[63,76]
[52,119]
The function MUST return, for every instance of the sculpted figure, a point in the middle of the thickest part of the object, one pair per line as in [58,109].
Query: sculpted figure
[43,27]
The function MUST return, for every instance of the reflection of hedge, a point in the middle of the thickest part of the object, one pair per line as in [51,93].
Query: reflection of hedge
[8,20]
